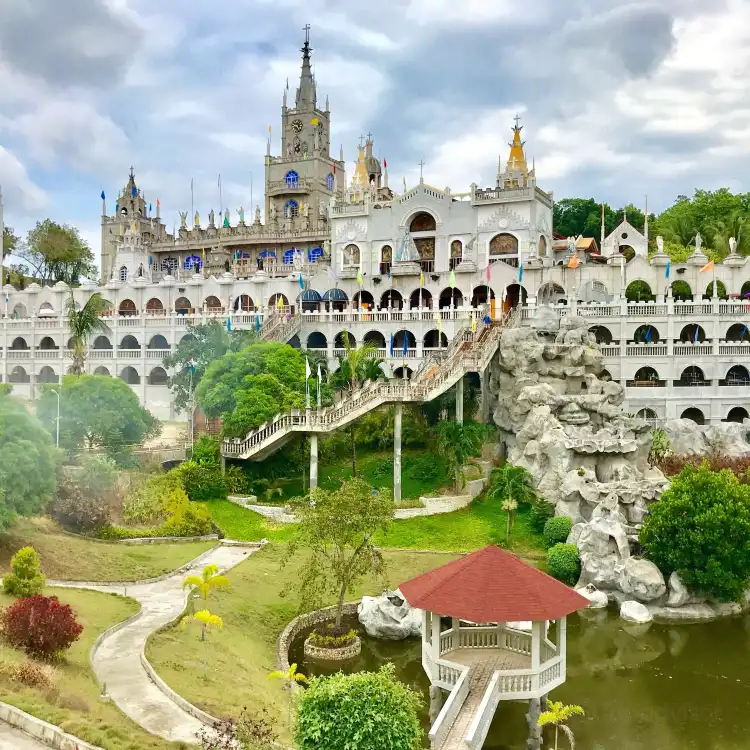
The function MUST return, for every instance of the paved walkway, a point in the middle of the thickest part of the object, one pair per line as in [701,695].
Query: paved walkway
[117,662]
[12,739]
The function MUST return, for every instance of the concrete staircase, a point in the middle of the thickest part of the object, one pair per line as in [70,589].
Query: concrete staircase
[280,328]
[468,352]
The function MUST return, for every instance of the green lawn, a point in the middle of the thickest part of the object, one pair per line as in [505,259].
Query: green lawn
[482,523]
[240,656]
[74,705]
[66,557]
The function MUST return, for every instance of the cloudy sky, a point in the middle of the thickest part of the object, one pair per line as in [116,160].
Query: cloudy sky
[618,99]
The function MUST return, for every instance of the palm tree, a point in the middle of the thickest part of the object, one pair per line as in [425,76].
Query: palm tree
[291,677]
[737,226]
[511,483]
[206,620]
[557,713]
[356,367]
[457,442]
[84,322]
[509,506]
[206,582]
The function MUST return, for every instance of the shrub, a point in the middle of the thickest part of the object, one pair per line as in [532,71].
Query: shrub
[370,710]
[556,530]
[541,512]
[672,465]
[660,445]
[145,501]
[185,518]
[206,452]
[202,482]
[25,577]
[564,563]
[34,675]
[330,636]
[701,529]
[41,626]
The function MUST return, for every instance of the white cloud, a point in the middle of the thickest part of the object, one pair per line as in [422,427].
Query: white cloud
[20,194]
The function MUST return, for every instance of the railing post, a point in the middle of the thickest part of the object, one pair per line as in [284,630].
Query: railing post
[313,460]
[398,412]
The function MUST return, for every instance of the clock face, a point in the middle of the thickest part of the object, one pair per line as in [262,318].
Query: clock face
[297,126]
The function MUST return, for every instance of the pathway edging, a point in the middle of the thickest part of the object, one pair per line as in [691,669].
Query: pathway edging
[41,730]
[143,539]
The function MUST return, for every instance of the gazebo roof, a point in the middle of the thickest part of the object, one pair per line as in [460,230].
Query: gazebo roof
[492,585]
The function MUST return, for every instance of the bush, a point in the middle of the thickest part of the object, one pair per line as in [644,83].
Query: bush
[672,465]
[332,637]
[370,710]
[25,577]
[206,452]
[40,676]
[202,482]
[145,501]
[701,529]
[564,563]
[41,626]
[556,530]
[541,512]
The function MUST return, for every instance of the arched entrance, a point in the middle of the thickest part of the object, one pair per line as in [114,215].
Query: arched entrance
[515,294]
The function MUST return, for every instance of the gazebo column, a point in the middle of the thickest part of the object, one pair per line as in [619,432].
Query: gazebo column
[460,400]
[313,460]
[537,634]
[435,636]
[456,627]
[562,646]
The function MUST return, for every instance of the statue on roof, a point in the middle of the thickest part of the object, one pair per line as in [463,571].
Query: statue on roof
[572,245]
[183,219]
[211,218]
[226,218]
[241,214]
[660,243]
[698,242]
[732,246]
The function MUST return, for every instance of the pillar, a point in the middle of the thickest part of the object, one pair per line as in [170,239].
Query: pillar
[313,461]
[460,400]
[398,413]
[484,408]
[223,464]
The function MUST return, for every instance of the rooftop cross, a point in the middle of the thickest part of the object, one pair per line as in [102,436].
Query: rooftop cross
[421,170]
[518,121]
[132,172]
[361,139]
[369,136]
[306,29]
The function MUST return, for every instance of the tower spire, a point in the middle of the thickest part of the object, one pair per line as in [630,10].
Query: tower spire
[306,90]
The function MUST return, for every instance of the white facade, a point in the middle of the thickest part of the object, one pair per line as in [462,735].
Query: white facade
[403,270]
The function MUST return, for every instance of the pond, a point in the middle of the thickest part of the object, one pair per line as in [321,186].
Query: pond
[671,687]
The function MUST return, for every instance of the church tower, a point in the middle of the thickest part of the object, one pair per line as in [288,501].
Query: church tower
[516,173]
[301,181]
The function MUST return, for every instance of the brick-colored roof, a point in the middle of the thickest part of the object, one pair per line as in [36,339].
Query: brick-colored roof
[492,585]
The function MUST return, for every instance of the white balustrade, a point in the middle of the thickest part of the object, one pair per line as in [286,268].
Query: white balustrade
[450,710]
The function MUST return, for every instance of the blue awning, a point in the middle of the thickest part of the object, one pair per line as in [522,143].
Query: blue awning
[335,295]
[311,295]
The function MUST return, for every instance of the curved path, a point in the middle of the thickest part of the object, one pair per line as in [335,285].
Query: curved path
[13,739]
[117,661]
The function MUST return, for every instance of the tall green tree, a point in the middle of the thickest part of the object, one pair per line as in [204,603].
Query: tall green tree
[10,241]
[57,252]
[83,323]
[337,531]
[457,442]
[97,411]
[28,463]
[202,345]
[356,367]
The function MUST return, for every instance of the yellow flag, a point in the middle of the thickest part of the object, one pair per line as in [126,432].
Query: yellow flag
[279,302]
[574,262]
[708,266]
[439,322]
[269,128]
[473,323]
[421,278]
[314,121]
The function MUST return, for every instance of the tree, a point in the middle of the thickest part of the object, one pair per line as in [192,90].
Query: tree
[291,677]
[370,710]
[202,345]
[83,323]
[457,442]
[202,585]
[10,241]
[206,621]
[97,411]
[557,714]
[356,367]
[28,463]
[57,252]
[25,577]
[337,528]
[509,506]
[249,387]
[701,529]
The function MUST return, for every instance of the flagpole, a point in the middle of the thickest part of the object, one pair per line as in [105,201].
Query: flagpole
[221,201]
[192,200]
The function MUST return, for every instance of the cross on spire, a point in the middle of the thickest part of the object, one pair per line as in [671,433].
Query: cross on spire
[517,119]
[369,136]
[306,29]
[132,172]
[361,139]
[421,170]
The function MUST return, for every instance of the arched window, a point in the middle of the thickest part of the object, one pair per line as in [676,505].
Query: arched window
[317,340]
[351,255]
[329,181]
[376,338]
[213,305]
[738,375]
[681,291]
[693,334]
[550,294]
[158,342]
[183,306]
[721,290]
[646,376]
[277,301]
[738,332]
[363,300]
[47,375]
[19,311]
[158,376]
[693,376]
[19,343]
[391,300]
[602,334]
[291,209]
[19,375]
[646,334]
[154,307]
[123,273]
[102,371]
[244,303]
[343,338]
[435,340]
[127,307]
[542,246]
[503,244]
[423,222]
[450,298]
[130,342]
[386,258]
[404,337]
[292,179]
[169,265]
[649,415]
[47,344]
[130,376]
[694,415]
[102,343]
[420,298]
[737,414]
[639,291]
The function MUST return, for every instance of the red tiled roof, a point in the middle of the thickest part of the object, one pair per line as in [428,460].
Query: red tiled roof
[492,585]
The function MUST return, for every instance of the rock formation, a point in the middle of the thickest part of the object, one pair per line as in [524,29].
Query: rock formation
[565,424]
[389,616]
[687,438]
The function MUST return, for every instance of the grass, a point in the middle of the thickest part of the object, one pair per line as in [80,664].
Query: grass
[422,474]
[254,611]
[474,527]
[75,705]
[66,557]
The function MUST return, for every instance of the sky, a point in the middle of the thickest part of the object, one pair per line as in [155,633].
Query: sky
[619,100]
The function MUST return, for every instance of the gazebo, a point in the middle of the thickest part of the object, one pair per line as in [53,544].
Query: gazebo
[486,637]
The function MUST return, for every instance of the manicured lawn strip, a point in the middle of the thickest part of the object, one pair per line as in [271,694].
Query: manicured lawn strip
[482,523]
[66,557]
[240,656]
[76,707]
